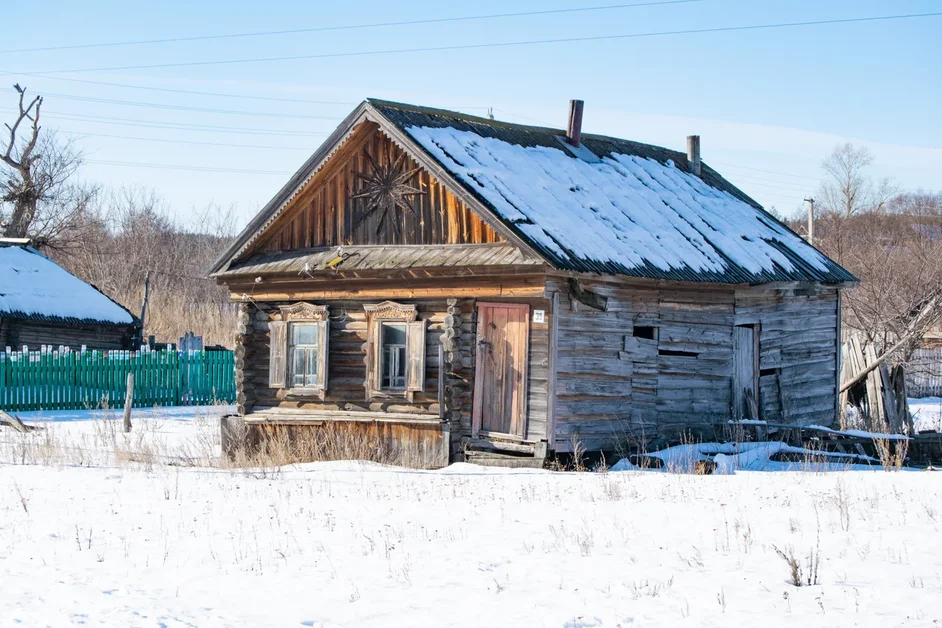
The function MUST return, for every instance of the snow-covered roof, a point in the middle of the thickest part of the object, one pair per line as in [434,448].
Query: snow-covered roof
[635,209]
[619,207]
[34,287]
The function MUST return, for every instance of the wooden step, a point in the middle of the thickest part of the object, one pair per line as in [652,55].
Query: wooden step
[491,459]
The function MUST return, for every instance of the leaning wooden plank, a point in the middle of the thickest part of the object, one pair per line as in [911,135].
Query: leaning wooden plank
[14,422]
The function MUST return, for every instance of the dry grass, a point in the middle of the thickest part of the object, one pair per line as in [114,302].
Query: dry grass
[798,576]
[147,445]
[272,447]
[891,452]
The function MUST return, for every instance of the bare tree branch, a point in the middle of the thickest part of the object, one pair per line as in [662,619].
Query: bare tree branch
[40,188]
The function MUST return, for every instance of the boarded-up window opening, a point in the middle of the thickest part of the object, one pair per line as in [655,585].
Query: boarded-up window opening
[678,354]
[648,332]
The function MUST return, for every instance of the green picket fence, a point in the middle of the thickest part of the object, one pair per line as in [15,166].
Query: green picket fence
[72,380]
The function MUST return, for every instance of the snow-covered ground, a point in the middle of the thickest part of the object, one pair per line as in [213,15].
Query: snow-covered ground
[141,531]
[927,413]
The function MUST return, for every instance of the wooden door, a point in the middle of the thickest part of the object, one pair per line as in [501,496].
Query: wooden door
[500,385]
[745,372]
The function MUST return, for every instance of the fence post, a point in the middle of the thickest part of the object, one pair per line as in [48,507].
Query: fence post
[128,402]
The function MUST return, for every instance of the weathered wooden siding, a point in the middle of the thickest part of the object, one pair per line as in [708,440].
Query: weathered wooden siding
[798,329]
[324,215]
[35,334]
[615,386]
[347,368]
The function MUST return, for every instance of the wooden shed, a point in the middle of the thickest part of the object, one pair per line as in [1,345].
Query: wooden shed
[42,304]
[466,287]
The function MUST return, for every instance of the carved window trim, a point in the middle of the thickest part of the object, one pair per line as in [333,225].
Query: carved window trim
[280,347]
[301,312]
[392,312]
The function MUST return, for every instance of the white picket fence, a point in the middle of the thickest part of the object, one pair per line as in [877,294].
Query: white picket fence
[924,373]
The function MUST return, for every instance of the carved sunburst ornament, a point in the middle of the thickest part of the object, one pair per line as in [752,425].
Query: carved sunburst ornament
[386,191]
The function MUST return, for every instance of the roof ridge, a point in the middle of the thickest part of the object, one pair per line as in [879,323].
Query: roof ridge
[379,102]
[507,124]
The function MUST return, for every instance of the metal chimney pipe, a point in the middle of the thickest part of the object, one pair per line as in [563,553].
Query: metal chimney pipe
[574,128]
[693,154]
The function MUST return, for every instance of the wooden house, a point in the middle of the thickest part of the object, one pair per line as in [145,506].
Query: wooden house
[42,304]
[462,286]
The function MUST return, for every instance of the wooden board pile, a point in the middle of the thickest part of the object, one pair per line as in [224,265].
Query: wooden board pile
[880,396]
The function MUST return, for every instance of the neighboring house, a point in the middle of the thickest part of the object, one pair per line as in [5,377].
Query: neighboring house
[440,280]
[42,304]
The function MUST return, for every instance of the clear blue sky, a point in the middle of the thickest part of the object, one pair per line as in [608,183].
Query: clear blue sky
[769,104]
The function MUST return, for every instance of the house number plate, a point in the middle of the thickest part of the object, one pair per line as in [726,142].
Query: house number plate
[539,316]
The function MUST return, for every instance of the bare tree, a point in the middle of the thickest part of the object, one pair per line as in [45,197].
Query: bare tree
[897,254]
[133,235]
[847,188]
[38,179]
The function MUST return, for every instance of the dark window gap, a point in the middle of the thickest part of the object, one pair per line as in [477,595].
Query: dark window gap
[767,372]
[678,354]
[647,332]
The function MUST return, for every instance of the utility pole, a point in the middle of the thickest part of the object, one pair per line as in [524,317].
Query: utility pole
[810,202]
[144,306]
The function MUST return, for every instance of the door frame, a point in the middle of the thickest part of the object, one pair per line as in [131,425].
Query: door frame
[736,412]
[477,404]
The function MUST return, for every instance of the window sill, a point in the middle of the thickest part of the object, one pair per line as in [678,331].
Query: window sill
[306,392]
[391,395]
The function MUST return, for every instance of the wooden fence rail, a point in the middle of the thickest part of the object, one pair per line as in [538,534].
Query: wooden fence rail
[924,375]
[71,380]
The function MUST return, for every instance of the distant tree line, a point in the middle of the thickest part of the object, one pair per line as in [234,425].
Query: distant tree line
[113,239]
[891,240]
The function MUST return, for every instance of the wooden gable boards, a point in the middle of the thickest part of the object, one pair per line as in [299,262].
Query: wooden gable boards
[313,209]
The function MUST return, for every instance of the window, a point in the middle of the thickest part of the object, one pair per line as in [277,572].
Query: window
[298,335]
[396,350]
[393,356]
[645,331]
[303,355]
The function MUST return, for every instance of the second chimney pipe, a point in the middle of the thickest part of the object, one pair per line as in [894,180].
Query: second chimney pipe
[574,129]
[693,153]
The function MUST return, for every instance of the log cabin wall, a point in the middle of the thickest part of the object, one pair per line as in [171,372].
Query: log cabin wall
[16,333]
[659,362]
[323,214]
[347,352]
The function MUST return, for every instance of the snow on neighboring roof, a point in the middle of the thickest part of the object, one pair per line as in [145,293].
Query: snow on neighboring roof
[624,212]
[33,286]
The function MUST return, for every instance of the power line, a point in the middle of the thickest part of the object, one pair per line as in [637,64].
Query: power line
[175,126]
[82,135]
[135,103]
[561,40]
[316,29]
[784,174]
[181,167]
[177,91]
[758,181]
[776,187]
